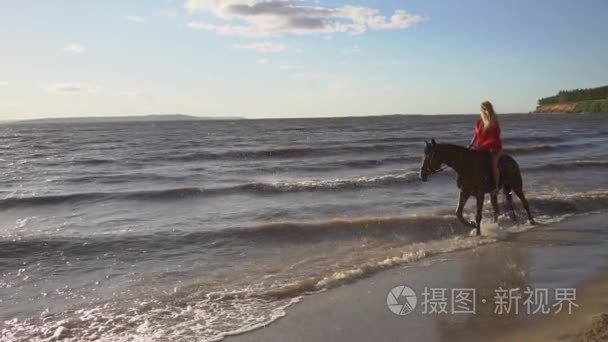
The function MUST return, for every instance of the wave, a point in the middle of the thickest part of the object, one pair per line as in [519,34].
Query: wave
[279,152]
[534,139]
[419,228]
[12,202]
[414,253]
[255,188]
[364,163]
[389,144]
[558,203]
[179,314]
[528,149]
[93,161]
[168,194]
[121,178]
[336,165]
[418,139]
[323,166]
[329,184]
[572,165]
[332,279]
[414,228]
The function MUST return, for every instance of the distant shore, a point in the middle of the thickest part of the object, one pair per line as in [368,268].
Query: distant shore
[598,106]
[556,108]
[129,118]
[590,100]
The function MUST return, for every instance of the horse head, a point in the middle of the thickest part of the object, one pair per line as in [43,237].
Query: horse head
[431,163]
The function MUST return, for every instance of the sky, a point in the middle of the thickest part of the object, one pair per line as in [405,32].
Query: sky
[298,58]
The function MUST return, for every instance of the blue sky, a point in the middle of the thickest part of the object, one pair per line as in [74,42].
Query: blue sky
[275,58]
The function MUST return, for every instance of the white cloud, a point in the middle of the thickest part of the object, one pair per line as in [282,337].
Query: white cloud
[167,13]
[74,48]
[353,49]
[400,20]
[134,19]
[271,17]
[227,30]
[69,88]
[263,47]
[3,83]
[197,25]
[263,61]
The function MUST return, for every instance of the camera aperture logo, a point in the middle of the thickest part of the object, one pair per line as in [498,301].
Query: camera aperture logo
[401,300]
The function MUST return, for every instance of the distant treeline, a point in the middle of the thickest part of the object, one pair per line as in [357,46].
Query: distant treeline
[576,95]
[597,106]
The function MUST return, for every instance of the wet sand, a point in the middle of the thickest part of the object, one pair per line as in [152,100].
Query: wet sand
[570,254]
[588,324]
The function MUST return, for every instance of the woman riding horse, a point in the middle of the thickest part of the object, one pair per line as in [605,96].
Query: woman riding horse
[487,138]
[476,176]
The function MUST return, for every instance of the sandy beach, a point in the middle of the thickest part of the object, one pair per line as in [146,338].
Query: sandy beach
[571,254]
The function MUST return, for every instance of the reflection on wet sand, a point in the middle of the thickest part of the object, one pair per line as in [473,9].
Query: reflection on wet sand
[505,267]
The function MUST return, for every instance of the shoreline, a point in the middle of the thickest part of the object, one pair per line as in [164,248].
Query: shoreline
[569,254]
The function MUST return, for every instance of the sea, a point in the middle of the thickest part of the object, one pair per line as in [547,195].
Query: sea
[197,230]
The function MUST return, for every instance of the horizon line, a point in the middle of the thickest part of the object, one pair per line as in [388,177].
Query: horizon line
[244,117]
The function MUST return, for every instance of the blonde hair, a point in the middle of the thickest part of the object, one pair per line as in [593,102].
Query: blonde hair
[488,115]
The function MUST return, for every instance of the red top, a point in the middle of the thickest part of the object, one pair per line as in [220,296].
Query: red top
[487,139]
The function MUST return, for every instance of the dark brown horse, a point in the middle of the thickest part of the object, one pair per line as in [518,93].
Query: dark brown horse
[475,177]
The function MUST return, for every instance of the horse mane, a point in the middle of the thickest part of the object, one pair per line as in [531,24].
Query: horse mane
[457,156]
[460,148]
[452,146]
[457,148]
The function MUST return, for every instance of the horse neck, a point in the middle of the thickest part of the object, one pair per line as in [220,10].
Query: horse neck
[452,156]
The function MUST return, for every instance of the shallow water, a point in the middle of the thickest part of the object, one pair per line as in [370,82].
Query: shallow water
[179,229]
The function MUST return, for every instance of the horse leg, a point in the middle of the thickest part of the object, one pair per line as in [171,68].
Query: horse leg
[524,203]
[462,200]
[509,201]
[480,196]
[494,200]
